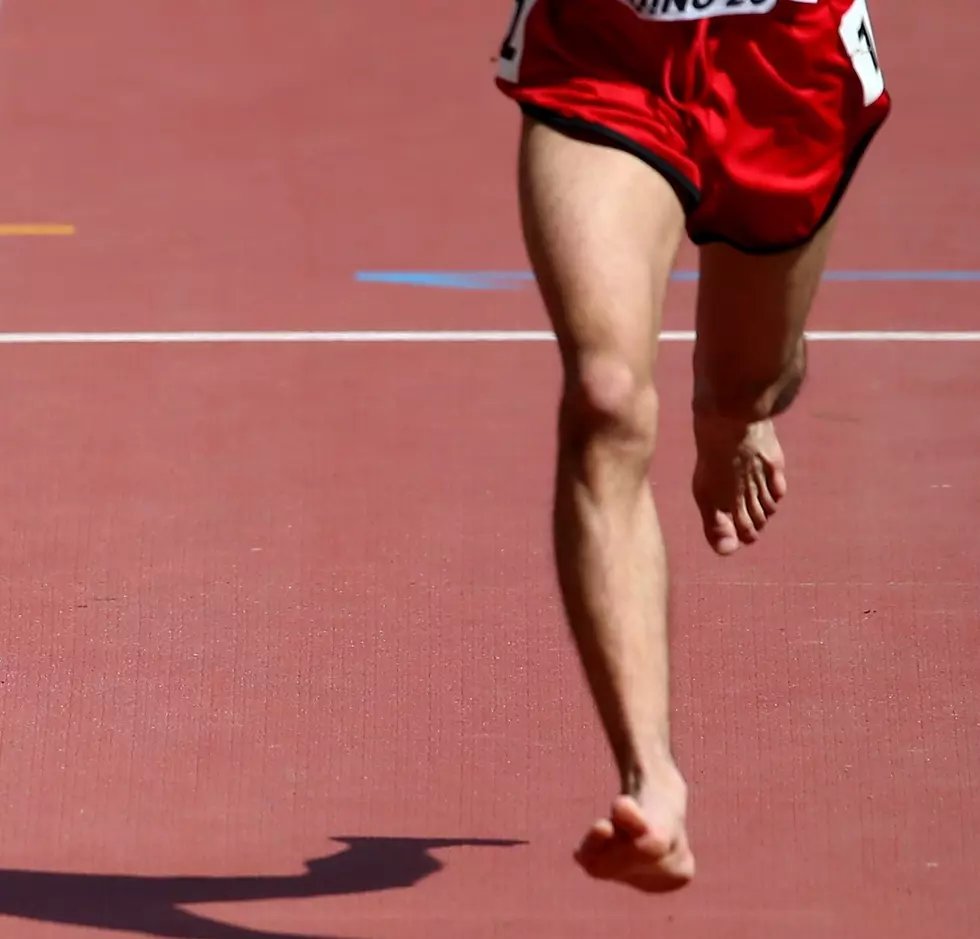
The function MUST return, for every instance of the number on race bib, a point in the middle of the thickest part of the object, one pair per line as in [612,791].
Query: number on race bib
[859,41]
[512,50]
[508,51]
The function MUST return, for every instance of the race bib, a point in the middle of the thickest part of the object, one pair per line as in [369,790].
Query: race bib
[675,10]
[859,41]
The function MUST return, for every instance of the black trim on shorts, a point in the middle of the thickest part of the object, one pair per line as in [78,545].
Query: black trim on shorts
[850,168]
[687,192]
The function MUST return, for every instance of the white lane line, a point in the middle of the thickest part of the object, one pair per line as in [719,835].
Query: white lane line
[423,336]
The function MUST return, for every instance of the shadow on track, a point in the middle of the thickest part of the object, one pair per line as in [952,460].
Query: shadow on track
[154,905]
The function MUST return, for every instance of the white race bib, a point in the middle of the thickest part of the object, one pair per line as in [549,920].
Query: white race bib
[675,10]
[859,40]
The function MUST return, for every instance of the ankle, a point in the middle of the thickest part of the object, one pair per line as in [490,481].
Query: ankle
[656,770]
[717,430]
[751,400]
[732,411]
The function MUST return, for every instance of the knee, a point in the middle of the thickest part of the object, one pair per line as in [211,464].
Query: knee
[609,405]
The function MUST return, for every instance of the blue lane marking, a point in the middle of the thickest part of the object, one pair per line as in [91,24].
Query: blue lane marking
[452,280]
[512,280]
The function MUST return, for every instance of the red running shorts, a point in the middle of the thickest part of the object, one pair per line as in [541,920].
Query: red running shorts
[756,111]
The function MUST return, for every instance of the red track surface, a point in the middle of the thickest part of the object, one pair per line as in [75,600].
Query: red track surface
[259,598]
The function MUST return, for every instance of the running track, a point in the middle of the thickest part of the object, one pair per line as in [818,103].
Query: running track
[269,603]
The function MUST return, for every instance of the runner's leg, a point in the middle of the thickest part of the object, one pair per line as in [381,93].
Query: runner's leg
[602,229]
[749,364]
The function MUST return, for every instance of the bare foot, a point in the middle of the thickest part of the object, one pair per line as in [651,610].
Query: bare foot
[642,844]
[738,480]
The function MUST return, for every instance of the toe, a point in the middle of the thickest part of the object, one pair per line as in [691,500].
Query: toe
[632,825]
[722,535]
[753,502]
[595,843]
[767,499]
[627,818]
[775,485]
[744,524]
[746,532]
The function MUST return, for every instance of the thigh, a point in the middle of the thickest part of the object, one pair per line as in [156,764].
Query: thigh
[752,312]
[602,230]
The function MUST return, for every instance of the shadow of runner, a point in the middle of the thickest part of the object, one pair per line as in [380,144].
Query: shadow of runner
[152,905]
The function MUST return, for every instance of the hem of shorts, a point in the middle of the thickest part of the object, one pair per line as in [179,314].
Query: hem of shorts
[688,193]
[843,184]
